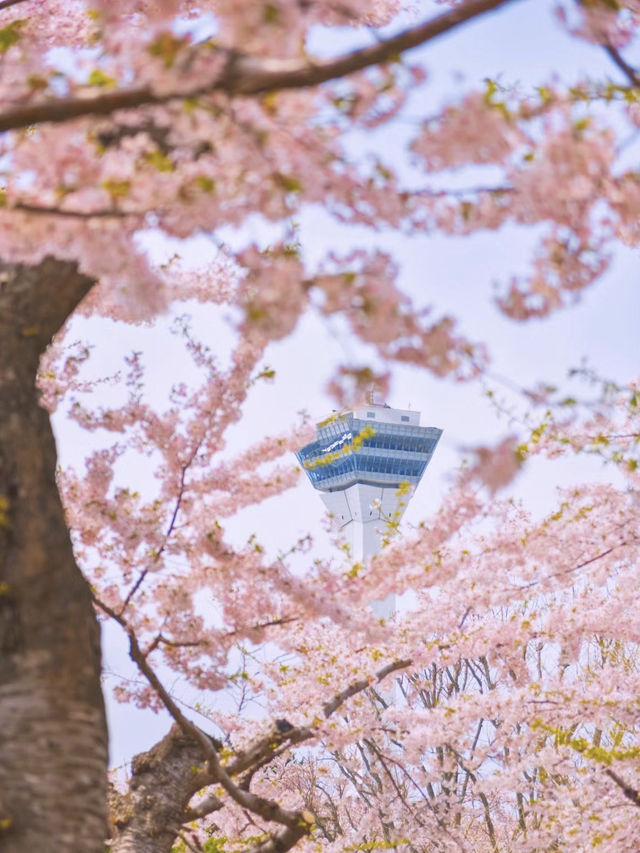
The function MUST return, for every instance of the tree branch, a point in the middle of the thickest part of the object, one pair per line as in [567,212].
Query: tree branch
[247,75]
[630,73]
[264,749]
[186,841]
[358,686]
[38,210]
[6,4]
[630,793]
[279,842]
[205,807]
[298,823]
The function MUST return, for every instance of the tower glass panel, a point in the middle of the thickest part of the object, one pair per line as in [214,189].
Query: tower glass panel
[349,450]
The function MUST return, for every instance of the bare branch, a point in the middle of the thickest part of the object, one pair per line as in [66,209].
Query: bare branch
[140,659]
[205,807]
[362,684]
[247,75]
[577,568]
[279,842]
[271,623]
[630,73]
[38,210]
[183,838]
[162,548]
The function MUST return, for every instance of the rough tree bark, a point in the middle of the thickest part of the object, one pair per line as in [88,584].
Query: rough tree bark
[149,816]
[53,741]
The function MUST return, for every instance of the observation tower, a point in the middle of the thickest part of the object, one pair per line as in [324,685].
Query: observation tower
[366,464]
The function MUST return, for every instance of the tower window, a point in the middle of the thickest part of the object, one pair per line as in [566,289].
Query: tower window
[404,418]
[371,414]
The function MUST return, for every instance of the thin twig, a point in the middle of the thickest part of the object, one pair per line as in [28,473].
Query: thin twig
[186,841]
[630,73]
[38,210]
[573,568]
[630,793]
[162,548]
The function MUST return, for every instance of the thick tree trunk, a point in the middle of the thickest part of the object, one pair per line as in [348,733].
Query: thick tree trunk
[53,743]
[148,817]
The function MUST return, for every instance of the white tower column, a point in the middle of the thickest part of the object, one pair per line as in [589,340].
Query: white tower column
[364,516]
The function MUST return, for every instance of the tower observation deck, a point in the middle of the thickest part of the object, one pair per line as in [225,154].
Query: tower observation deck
[366,465]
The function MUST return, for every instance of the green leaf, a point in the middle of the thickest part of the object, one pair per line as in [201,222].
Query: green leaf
[288,182]
[10,34]
[266,373]
[37,82]
[99,78]
[166,47]
[159,160]
[205,183]
[117,189]
[270,13]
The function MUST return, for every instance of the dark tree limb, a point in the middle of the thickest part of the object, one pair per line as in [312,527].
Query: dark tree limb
[248,75]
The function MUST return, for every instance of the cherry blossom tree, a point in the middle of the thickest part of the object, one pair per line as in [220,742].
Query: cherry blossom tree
[512,724]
